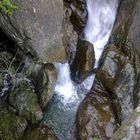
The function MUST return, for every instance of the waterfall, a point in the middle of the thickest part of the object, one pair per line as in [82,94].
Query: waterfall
[60,113]
[101,17]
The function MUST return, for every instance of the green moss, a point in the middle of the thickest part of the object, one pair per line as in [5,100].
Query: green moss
[7,6]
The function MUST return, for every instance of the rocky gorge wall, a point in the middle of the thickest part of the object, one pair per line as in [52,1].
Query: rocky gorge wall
[47,31]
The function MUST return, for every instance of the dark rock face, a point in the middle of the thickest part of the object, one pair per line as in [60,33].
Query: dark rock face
[36,26]
[44,77]
[71,35]
[39,133]
[78,15]
[12,127]
[95,117]
[84,60]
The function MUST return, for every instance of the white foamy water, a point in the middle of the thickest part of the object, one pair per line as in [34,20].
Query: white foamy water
[64,85]
[101,17]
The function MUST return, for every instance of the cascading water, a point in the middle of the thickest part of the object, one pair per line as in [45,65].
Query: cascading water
[101,17]
[61,111]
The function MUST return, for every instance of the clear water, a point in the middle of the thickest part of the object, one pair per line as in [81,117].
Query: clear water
[61,111]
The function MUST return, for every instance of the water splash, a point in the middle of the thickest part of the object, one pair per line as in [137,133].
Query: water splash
[65,86]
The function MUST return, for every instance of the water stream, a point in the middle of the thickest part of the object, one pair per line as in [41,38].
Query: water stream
[61,111]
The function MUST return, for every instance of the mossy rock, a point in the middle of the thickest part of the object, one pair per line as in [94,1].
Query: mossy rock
[25,102]
[12,127]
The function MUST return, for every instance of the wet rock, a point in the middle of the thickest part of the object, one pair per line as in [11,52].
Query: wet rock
[95,117]
[78,13]
[44,77]
[12,127]
[117,75]
[39,133]
[130,129]
[84,61]
[110,63]
[25,102]
[36,26]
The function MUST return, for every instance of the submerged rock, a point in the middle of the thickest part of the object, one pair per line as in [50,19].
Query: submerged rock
[12,127]
[83,63]
[44,77]
[95,117]
[36,26]
[39,133]
[25,102]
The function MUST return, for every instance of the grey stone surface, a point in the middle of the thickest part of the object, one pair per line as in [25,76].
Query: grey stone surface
[37,26]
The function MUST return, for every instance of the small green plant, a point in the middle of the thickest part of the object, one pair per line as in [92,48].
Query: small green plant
[7,6]
[95,138]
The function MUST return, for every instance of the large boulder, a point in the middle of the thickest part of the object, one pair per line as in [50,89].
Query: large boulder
[84,60]
[44,77]
[12,127]
[95,117]
[36,26]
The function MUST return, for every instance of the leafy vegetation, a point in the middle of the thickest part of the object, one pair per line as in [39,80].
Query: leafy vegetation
[7,6]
